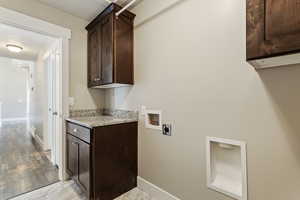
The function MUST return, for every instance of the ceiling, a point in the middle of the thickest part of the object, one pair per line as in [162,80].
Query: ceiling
[32,43]
[85,9]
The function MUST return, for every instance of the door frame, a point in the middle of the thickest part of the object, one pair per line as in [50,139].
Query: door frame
[50,61]
[22,21]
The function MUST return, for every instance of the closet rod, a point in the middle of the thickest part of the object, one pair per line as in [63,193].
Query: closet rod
[112,1]
[125,7]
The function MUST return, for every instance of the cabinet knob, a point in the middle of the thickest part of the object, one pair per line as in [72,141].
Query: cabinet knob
[75,130]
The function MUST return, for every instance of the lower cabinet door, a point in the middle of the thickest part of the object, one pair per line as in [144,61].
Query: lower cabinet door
[72,156]
[84,166]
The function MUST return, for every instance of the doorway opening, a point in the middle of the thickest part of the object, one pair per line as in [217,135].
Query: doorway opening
[30,119]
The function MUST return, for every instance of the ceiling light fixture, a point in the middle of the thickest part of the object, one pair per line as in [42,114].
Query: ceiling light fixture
[14,48]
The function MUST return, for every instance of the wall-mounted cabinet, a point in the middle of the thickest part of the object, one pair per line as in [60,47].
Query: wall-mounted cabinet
[273,33]
[110,49]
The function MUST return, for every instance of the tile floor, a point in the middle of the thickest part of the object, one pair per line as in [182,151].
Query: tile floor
[69,191]
[23,166]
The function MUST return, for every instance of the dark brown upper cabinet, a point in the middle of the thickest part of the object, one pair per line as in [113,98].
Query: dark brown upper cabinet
[110,49]
[273,32]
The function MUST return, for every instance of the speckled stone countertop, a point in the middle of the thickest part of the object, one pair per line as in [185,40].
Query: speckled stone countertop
[107,118]
[92,122]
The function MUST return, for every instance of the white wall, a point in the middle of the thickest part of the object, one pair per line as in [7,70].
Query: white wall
[84,98]
[38,97]
[190,62]
[13,89]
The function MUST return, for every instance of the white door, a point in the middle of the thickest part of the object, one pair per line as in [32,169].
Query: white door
[52,62]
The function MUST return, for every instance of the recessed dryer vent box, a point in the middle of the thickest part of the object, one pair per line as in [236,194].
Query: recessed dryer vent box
[226,167]
[153,119]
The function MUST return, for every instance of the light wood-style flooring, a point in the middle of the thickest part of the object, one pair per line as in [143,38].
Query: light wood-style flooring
[23,166]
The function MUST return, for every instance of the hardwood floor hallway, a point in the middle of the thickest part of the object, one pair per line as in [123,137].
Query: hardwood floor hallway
[23,165]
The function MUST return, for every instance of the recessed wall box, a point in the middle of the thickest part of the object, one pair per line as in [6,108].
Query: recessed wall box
[226,167]
[153,119]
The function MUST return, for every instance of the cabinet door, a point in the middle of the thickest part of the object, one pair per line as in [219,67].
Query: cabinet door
[107,50]
[94,66]
[84,166]
[72,156]
[114,160]
[124,43]
[273,27]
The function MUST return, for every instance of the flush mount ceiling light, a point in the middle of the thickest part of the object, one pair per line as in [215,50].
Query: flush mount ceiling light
[14,48]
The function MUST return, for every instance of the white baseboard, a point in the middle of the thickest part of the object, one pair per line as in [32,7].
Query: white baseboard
[37,138]
[39,141]
[153,190]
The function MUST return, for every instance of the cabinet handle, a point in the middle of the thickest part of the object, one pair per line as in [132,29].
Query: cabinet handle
[74,143]
[97,79]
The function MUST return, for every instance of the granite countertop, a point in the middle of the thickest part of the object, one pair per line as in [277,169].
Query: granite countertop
[100,120]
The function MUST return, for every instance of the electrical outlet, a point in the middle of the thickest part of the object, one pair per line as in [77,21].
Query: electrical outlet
[167,129]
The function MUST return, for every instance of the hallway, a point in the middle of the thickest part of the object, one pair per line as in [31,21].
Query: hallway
[23,166]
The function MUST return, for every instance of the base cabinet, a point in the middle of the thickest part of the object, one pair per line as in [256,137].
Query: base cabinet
[103,160]
[78,162]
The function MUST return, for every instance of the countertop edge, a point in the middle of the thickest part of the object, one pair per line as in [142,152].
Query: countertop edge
[91,126]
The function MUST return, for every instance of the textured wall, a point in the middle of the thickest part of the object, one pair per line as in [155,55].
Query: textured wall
[190,63]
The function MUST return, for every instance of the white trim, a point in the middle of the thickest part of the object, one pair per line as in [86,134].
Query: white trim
[14,119]
[64,107]
[277,61]
[1,114]
[36,137]
[113,85]
[26,22]
[39,141]
[154,191]
[50,60]
[227,144]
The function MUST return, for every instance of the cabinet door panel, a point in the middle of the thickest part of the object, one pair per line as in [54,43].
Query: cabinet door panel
[107,50]
[115,160]
[94,67]
[84,166]
[72,156]
[282,18]
[123,50]
[273,27]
